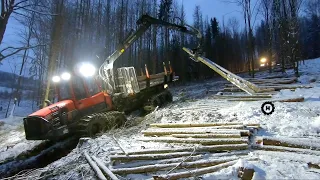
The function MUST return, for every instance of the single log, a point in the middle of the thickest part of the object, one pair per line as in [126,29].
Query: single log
[253,126]
[286,149]
[199,171]
[157,167]
[214,148]
[265,89]
[95,167]
[150,156]
[248,99]
[311,165]
[298,99]
[181,125]
[203,125]
[161,161]
[169,131]
[198,140]
[105,169]
[295,143]
[232,90]
[277,88]
[206,135]
[243,96]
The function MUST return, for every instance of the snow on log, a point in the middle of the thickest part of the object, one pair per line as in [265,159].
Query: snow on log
[248,99]
[150,156]
[95,167]
[243,96]
[197,141]
[200,171]
[277,88]
[161,161]
[169,131]
[157,167]
[105,169]
[181,125]
[206,135]
[209,125]
[184,125]
[286,149]
[296,99]
[214,148]
[304,143]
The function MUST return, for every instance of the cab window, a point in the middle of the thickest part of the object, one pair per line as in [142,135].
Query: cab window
[78,88]
[92,86]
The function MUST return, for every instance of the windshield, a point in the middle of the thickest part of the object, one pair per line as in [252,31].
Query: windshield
[64,88]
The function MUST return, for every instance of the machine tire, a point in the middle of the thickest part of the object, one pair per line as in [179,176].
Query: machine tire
[91,125]
[168,96]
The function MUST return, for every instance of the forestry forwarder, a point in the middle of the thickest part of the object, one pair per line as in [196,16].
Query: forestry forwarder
[87,105]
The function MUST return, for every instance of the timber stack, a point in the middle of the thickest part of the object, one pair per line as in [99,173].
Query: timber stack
[197,149]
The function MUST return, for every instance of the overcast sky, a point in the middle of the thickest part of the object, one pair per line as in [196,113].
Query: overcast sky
[212,8]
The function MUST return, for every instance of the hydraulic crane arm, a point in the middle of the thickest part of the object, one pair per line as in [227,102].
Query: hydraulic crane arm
[106,69]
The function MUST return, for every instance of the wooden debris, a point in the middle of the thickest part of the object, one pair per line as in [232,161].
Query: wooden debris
[206,135]
[180,125]
[122,149]
[105,169]
[169,131]
[277,88]
[245,174]
[157,167]
[149,156]
[199,171]
[295,143]
[286,149]
[311,165]
[95,167]
[298,99]
[198,140]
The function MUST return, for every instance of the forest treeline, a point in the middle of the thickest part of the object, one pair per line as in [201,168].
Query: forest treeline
[61,33]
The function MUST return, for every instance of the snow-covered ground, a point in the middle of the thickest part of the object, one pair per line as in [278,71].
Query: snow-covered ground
[194,103]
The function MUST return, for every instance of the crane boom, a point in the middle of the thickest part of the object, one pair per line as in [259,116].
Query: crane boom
[106,69]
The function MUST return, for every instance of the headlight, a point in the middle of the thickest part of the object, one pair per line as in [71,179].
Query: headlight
[56,79]
[65,76]
[87,70]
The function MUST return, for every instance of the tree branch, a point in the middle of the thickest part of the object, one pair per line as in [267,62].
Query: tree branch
[17,50]
[39,12]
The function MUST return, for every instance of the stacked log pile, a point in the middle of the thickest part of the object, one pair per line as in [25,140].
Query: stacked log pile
[276,83]
[198,149]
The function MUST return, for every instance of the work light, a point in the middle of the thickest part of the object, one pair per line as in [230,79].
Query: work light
[56,79]
[87,69]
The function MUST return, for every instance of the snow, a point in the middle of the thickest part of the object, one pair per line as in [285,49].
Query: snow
[193,103]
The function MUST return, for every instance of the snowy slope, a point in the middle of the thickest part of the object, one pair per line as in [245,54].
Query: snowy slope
[193,103]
